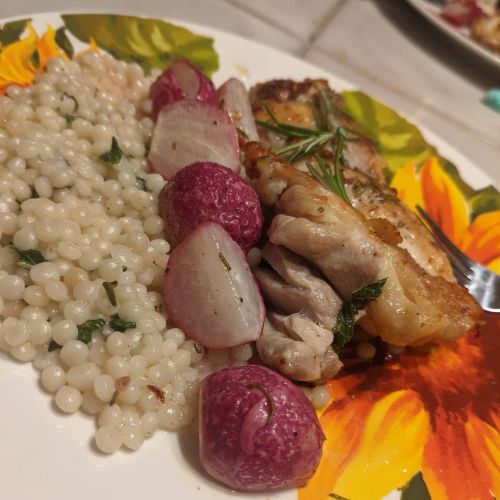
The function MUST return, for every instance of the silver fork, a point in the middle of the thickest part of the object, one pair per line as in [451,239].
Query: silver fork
[483,284]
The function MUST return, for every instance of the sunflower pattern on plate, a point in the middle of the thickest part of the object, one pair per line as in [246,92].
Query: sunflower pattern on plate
[426,423]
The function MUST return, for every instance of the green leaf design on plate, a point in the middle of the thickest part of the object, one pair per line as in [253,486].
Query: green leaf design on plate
[11,32]
[398,140]
[149,42]
[484,200]
[63,41]
[415,489]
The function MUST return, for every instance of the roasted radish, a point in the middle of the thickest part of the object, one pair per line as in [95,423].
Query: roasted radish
[181,80]
[210,292]
[258,431]
[191,131]
[206,191]
[232,97]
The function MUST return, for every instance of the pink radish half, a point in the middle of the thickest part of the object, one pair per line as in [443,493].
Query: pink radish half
[193,81]
[210,292]
[181,80]
[190,131]
[232,97]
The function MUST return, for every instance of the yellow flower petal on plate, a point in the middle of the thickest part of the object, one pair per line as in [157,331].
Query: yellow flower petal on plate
[443,200]
[494,265]
[16,64]
[484,444]
[407,184]
[371,448]
[48,48]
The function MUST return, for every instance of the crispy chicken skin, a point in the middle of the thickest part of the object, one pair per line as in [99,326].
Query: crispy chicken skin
[375,201]
[414,307]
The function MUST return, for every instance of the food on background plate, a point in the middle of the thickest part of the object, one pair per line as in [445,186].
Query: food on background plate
[482,18]
[127,327]
[258,431]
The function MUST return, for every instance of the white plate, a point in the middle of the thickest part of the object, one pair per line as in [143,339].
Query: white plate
[431,11]
[46,456]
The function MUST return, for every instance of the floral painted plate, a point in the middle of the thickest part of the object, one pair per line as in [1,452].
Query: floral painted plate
[419,426]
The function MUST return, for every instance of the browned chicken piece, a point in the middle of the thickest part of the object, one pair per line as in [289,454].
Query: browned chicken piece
[375,201]
[292,286]
[414,307]
[298,348]
[309,307]
[287,90]
[291,102]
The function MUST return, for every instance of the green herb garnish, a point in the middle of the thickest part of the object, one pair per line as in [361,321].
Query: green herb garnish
[72,98]
[85,329]
[63,42]
[29,258]
[109,288]
[332,181]
[224,261]
[329,131]
[53,345]
[267,395]
[311,139]
[70,118]
[120,325]
[344,325]
[114,155]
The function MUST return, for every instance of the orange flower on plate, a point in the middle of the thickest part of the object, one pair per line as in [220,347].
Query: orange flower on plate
[436,413]
[20,60]
[431,187]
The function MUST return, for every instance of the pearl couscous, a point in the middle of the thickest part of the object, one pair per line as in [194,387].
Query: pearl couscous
[83,253]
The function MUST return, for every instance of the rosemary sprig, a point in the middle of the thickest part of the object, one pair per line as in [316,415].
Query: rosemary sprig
[329,131]
[310,138]
[332,181]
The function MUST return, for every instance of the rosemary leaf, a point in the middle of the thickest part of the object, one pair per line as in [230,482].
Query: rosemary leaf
[109,288]
[85,329]
[120,325]
[344,326]
[29,258]
[114,155]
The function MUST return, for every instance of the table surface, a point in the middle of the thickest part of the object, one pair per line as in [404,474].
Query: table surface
[383,47]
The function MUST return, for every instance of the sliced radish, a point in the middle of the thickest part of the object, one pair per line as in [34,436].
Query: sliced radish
[210,292]
[232,97]
[165,90]
[181,80]
[193,81]
[461,12]
[190,131]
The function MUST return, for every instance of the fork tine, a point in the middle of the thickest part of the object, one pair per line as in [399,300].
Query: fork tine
[459,275]
[462,272]
[463,260]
